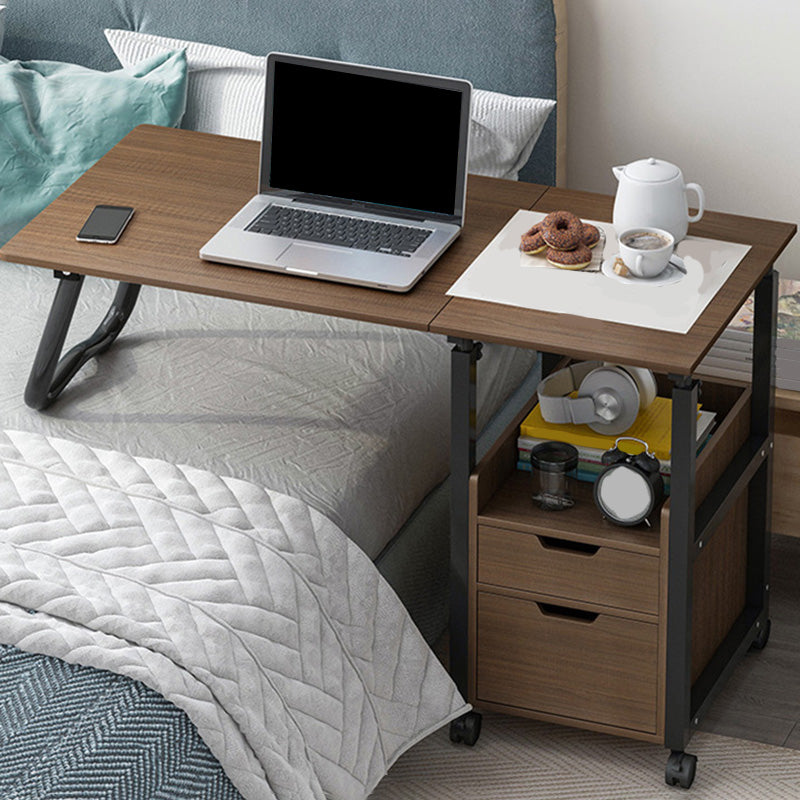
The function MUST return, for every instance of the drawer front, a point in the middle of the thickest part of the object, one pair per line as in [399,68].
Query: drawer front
[567,569]
[598,668]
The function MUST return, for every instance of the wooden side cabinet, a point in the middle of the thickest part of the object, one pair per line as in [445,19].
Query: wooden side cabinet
[567,612]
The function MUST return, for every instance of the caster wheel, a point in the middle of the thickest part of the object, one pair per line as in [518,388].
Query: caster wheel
[466,729]
[760,642]
[680,769]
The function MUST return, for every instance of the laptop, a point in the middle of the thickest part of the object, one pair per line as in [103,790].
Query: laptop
[362,177]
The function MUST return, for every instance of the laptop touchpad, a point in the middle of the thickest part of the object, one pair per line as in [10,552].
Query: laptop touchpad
[327,260]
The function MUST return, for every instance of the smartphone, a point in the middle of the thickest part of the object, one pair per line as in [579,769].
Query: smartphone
[105,224]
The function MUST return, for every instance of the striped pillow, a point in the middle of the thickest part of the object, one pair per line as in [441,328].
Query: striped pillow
[226,96]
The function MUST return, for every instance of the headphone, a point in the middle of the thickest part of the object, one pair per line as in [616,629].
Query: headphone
[609,397]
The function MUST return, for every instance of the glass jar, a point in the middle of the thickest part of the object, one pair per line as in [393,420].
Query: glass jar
[553,465]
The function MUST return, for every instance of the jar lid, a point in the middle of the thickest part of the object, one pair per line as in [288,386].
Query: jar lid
[651,170]
[554,457]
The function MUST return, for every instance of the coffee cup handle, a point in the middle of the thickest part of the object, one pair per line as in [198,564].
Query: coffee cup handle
[638,265]
[701,201]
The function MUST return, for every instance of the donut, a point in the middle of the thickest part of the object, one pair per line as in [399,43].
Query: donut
[590,235]
[578,258]
[562,230]
[532,241]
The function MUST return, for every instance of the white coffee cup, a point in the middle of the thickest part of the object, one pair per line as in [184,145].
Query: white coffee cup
[646,251]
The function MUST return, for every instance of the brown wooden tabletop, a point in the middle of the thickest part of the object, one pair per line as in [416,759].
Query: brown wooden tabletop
[581,337]
[185,185]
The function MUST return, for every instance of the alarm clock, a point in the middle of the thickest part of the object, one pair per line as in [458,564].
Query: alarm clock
[630,486]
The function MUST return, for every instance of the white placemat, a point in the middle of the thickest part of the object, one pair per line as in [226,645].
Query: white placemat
[501,274]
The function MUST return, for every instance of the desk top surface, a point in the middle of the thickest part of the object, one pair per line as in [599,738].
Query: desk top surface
[185,185]
[581,337]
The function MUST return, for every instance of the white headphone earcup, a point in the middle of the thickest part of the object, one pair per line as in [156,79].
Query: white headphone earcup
[646,384]
[616,398]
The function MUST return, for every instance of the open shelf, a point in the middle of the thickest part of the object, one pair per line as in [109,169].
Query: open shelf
[511,506]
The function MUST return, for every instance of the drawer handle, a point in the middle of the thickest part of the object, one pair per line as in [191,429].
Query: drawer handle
[551,610]
[551,543]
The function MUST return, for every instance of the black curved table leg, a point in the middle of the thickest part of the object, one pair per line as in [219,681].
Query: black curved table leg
[50,372]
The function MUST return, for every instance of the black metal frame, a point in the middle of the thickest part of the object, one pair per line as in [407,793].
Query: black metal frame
[51,372]
[463,434]
[689,530]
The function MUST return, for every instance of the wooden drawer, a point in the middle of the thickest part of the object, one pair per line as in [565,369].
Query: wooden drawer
[595,667]
[568,569]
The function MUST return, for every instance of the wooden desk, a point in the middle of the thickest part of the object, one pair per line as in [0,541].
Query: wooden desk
[185,185]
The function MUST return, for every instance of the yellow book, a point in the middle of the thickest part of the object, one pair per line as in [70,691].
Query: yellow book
[653,425]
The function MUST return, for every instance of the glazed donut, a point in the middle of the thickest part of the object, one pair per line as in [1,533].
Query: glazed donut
[578,258]
[533,241]
[590,235]
[562,230]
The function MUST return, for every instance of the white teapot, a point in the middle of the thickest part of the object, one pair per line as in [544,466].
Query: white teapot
[651,194]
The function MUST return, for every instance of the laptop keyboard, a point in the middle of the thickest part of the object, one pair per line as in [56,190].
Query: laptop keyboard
[359,234]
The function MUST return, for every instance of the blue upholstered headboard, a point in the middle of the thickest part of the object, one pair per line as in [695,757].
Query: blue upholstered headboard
[505,46]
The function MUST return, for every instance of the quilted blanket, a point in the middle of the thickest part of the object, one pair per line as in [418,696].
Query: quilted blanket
[246,608]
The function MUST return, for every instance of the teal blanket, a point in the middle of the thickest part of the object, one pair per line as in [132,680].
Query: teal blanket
[56,120]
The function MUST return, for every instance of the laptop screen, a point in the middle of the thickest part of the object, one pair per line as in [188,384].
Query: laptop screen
[366,135]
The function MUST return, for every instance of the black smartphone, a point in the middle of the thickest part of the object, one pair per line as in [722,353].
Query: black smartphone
[105,224]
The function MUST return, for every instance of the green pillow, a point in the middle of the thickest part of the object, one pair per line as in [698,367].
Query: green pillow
[56,120]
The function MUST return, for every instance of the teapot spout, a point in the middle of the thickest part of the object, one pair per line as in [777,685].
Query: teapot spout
[618,172]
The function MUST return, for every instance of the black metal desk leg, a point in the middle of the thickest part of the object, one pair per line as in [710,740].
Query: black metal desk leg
[680,765]
[762,417]
[689,530]
[50,373]
[463,374]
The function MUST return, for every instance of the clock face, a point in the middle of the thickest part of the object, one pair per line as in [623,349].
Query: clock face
[624,494]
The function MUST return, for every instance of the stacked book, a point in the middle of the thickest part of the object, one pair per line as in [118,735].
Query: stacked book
[653,425]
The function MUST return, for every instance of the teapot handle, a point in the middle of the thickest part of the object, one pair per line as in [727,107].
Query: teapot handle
[701,205]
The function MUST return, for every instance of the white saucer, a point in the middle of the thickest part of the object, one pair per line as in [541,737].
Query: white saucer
[671,274]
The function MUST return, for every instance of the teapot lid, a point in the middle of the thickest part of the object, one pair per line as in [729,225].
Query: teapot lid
[651,170]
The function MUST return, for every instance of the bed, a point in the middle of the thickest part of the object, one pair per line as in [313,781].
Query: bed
[348,418]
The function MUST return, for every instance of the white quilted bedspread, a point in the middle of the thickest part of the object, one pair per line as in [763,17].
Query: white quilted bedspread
[248,609]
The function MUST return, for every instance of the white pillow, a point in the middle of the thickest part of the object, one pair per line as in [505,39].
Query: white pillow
[226,96]
[503,132]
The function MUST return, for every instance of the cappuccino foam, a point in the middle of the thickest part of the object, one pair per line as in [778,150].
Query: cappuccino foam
[644,240]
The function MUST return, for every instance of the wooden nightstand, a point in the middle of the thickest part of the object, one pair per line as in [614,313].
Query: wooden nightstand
[568,611]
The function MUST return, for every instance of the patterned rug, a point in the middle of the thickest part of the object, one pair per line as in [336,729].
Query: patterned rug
[518,759]
[74,733]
